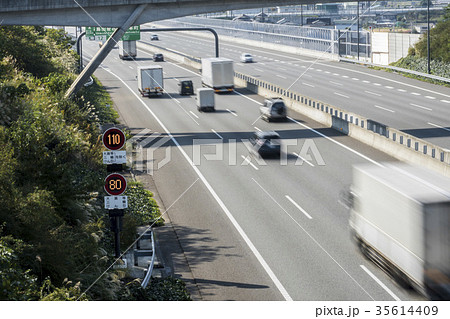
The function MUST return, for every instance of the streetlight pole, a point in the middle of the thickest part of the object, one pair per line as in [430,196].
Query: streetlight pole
[428,36]
[357,31]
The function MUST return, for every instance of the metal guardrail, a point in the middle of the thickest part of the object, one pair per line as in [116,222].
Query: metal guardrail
[394,68]
[152,262]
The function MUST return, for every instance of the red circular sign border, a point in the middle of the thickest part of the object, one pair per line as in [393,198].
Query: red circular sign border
[114,129]
[120,177]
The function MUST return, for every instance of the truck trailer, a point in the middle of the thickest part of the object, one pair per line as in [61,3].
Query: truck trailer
[400,220]
[127,50]
[150,80]
[218,74]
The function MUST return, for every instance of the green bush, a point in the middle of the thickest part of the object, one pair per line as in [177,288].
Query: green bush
[158,289]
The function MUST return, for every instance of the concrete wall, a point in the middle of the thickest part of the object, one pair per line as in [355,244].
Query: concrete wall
[388,47]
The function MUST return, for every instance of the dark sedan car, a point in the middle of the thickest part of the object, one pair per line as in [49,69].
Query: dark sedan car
[266,143]
[158,57]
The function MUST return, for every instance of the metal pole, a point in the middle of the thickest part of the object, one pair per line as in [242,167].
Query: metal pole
[428,36]
[80,50]
[357,31]
[301,14]
[117,236]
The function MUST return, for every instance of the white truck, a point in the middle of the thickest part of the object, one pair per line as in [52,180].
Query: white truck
[218,74]
[205,99]
[400,219]
[127,50]
[150,80]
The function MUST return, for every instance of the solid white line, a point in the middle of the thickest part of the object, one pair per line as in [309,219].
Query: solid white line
[336,142]
[280,76]
[247,160]
[239,229]
[307,162]
[421,107]
[445,101]
[217,134]
[383,108]
[308,84]
[312,238]
[347,97]
[298,206]
[248,98]
[257,129]
[336,83]
[193,114]
[373,93]
[380,283]
[438,126]
[232,112]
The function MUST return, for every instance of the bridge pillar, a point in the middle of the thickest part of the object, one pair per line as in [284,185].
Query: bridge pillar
[103,52]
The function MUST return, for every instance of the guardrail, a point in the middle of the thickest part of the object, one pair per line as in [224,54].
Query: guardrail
[394,68]
[394,142]
[145,253]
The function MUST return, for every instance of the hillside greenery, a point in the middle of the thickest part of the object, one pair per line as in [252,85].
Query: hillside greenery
[54,235]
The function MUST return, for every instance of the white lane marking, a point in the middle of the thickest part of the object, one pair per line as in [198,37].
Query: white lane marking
[415,93]
[248,98]
[365,81]
[240,64]
[401,90]
[435,125]
[239,229]
[373,93]
[296,64]
[335,73]
[193,114]
[217,134]
[380,283]
[345,76]
[335,83]
[445,101]
[430,97]
[421,107]
[307,162]
[383,108]
[257,129]
[247,160]
[356,79]
[282,69]
[259,70]
[377,84]
[232,112]
[280,76]
[130,67]
[327,72]
[176,101]
[347,97]
[388,87]
[298,206]
[313,239]
[310,85]
[336,142]
[262,63]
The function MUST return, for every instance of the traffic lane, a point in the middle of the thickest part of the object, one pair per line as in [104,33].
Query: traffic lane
[223,266]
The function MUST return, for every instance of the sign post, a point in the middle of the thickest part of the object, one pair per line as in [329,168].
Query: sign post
[115,184]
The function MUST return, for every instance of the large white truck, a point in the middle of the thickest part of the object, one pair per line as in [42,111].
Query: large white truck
[150,80]
[127,50]
[218,74]
[400,219]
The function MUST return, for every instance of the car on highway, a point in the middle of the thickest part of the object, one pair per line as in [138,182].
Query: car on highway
[154,37]
[186,87]
[273,109]
[246,58]
[158,57]
[266,144]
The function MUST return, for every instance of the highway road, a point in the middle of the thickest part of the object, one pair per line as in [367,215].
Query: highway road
[251,230]
[418,108]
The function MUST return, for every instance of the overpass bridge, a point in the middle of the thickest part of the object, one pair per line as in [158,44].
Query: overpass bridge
[120,14]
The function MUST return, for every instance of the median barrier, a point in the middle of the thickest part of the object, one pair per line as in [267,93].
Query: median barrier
[391,141]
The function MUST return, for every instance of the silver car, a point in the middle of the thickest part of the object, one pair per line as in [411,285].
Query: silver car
[273,109]
[246,58]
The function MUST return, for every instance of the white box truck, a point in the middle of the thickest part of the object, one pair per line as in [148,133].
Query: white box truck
[127,50]
[150,80]
[205,99]
[400,219]
[218,74]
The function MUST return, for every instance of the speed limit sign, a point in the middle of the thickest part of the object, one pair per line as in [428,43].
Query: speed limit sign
[115,184]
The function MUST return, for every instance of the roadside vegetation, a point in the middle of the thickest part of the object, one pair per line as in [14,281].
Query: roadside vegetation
[439,48]
[54,235]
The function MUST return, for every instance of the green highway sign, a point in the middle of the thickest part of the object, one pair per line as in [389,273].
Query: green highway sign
[102,34]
